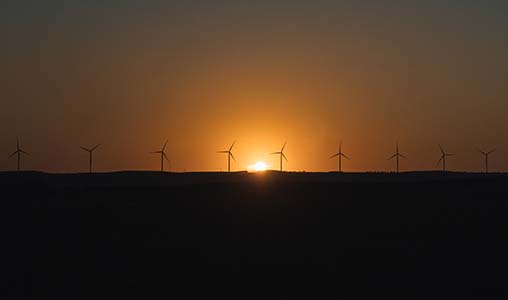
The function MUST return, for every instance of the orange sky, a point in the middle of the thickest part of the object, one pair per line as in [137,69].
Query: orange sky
[204,76]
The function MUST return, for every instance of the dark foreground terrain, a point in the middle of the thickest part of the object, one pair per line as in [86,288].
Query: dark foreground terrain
[143,235]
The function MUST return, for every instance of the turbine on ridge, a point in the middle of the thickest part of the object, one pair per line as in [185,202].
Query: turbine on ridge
[281,154]
[397,155]
[444,155]
[18,152]
[339,154]
[486,154]
[90,152]
[230,155]
[162,152]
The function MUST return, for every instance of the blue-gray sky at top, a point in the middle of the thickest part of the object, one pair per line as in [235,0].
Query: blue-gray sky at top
[130,74]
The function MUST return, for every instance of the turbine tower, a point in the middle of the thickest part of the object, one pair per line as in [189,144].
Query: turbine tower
[397,155]
[281,153]
[90,152]
[340,154]
[230,155]
[18,151]
[162,152]
[486,154]
[443,157]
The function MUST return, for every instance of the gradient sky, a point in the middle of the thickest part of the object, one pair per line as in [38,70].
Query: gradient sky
[131,74]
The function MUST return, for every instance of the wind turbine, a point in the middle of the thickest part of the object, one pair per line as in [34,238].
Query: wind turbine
[443,157]
[163,155]
[281,153]
[90,152]
[18,151]
[486,154]
[230,155]
[339,154]
[397,155]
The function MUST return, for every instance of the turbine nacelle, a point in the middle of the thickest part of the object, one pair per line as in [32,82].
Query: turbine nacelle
[281,154]
[19,151]
[90,149]
[443,153]
[487,153]
[339,154]
[397,155]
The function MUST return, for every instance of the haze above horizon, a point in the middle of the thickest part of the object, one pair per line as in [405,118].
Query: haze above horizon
[201,74]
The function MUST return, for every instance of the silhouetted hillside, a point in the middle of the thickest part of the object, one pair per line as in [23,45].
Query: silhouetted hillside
[146,235]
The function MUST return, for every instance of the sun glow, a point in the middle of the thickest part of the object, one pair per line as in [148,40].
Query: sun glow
[258,167]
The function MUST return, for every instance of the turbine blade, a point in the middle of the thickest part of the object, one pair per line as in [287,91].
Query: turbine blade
[156,152]
[284,156]
[165,144]
[232,145]
[344,155]
[95,147]
[282,150]
[275,153]
[392,157]
[85,149]
[441,159]
[402,156]
[441,148]
[14,153]
[232,156]
[21,151]
[164,154]
[223,151]
[333,156]
[491,151]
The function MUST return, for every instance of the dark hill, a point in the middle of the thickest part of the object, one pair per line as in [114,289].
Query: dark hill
[147,235]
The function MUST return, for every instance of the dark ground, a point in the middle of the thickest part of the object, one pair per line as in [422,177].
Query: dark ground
[146,235]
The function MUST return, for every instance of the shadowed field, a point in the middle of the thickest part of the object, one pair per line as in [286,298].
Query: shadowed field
[148,235]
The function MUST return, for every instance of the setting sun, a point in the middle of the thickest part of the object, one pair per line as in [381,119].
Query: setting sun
[258,167]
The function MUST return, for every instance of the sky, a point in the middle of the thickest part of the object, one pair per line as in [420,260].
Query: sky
[132,74]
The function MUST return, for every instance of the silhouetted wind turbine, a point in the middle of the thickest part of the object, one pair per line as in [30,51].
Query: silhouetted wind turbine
[397,155]
[18,151]
[486,154]
[443,157]
[230,155]
[281,153]
[90,152]
[339,155]
[163,155]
